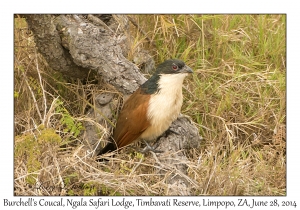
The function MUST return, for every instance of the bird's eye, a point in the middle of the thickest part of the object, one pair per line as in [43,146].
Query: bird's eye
[175,67]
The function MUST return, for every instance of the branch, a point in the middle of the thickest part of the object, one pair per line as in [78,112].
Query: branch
[94,47]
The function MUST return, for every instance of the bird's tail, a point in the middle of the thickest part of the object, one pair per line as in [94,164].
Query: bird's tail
[110,147]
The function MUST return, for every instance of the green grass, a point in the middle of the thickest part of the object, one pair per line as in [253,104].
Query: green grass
[236,96]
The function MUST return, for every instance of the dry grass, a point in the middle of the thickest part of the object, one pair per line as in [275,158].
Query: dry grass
[236,96]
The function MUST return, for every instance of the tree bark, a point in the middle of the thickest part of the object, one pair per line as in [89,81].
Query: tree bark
[76,44]
[49,44]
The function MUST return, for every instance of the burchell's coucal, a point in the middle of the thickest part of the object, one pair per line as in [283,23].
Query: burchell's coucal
[151,109]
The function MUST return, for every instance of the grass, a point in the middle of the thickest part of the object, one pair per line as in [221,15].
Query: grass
[237,97]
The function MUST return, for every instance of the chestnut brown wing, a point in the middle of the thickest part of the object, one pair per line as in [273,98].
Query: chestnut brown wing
[132,120]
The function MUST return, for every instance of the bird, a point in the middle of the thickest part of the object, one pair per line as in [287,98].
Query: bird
[151,109]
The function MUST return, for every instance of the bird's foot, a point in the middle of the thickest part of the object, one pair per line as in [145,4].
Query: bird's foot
[149,148]
[167,132]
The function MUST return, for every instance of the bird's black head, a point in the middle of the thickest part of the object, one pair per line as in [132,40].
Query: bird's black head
[173,66]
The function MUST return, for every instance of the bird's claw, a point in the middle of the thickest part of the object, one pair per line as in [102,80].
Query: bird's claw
[149,148]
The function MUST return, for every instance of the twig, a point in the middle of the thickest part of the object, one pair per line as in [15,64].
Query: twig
[141,30]
[175,27]
[44,95]
[210,177]
[48,115]
[62,184]
[98,21]
[136,166]
[33,97]
[174,169]
[32,94]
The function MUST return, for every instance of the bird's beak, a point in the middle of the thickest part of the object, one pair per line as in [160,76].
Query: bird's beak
[186,69]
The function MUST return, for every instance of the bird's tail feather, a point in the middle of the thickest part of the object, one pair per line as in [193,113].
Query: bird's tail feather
[110,147]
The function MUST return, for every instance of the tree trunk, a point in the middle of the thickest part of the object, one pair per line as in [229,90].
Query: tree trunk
[49,44]
[76,44]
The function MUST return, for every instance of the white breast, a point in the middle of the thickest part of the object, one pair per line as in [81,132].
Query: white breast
[164,106]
